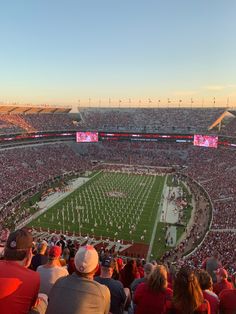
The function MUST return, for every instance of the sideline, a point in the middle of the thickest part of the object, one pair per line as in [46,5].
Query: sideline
[154,230]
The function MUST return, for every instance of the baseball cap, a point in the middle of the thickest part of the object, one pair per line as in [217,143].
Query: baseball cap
[55,251]
[222,272]
[108,262]
[86,259]
[20,239]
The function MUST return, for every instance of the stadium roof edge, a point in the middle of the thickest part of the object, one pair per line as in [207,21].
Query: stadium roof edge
[15,109]
[218,121]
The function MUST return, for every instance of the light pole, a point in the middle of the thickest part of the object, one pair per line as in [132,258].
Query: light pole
[168,101]
[192,103]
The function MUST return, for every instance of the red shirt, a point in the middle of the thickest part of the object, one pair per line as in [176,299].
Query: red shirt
[212,298]
[71,266]
[203,308]
[228,301]
[19,288]
[219,286]
[151,302]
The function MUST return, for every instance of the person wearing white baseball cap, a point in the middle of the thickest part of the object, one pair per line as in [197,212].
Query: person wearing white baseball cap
[79,293]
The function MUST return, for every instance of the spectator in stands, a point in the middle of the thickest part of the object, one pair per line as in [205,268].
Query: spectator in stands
[129,273]
[153,296]
[119,294]
[79,293]
[71,262]
[51,271]
[206,285]
[148,268]
[140,267]
[222,282]
[211,264]
[228,301]
[19,285]
[62,242]
[40,258]
[187,294]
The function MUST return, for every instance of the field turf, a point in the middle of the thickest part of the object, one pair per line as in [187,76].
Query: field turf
[115,205]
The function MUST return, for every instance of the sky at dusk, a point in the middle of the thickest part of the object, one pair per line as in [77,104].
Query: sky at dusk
[131,51]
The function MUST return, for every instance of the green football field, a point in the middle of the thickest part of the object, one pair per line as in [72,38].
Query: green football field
[115,205]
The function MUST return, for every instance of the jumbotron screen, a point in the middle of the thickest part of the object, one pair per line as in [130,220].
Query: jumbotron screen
[205,140]
[86,137]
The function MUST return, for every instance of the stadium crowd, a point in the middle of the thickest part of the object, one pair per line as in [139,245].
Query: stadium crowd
[214,170]
[28,168]
[20,123]
[22,168]
[171,120]
[57,275]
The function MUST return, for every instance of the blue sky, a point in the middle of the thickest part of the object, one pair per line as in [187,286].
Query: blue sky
[61,51]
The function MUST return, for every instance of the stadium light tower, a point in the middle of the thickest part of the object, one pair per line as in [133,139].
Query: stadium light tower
[168,102]
[192,103]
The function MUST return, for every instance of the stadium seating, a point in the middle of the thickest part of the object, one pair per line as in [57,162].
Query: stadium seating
[214,169]
[23,168]
[173,120]
[18,123]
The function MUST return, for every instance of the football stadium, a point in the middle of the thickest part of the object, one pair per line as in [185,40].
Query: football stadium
[140,183]
[161,183]
[118,157]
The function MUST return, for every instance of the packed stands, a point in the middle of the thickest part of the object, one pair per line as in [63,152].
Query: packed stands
[23,168]
[19,123]
[229,128]
[213,169]
[10,125]
[161,120]
[50,122]
[173,120]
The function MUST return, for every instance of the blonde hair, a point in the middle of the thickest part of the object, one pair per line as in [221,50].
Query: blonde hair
[157,280]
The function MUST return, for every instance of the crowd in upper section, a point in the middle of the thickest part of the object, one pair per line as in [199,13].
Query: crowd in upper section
[153,120]
[19,123]
[160,120]
[23,168]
